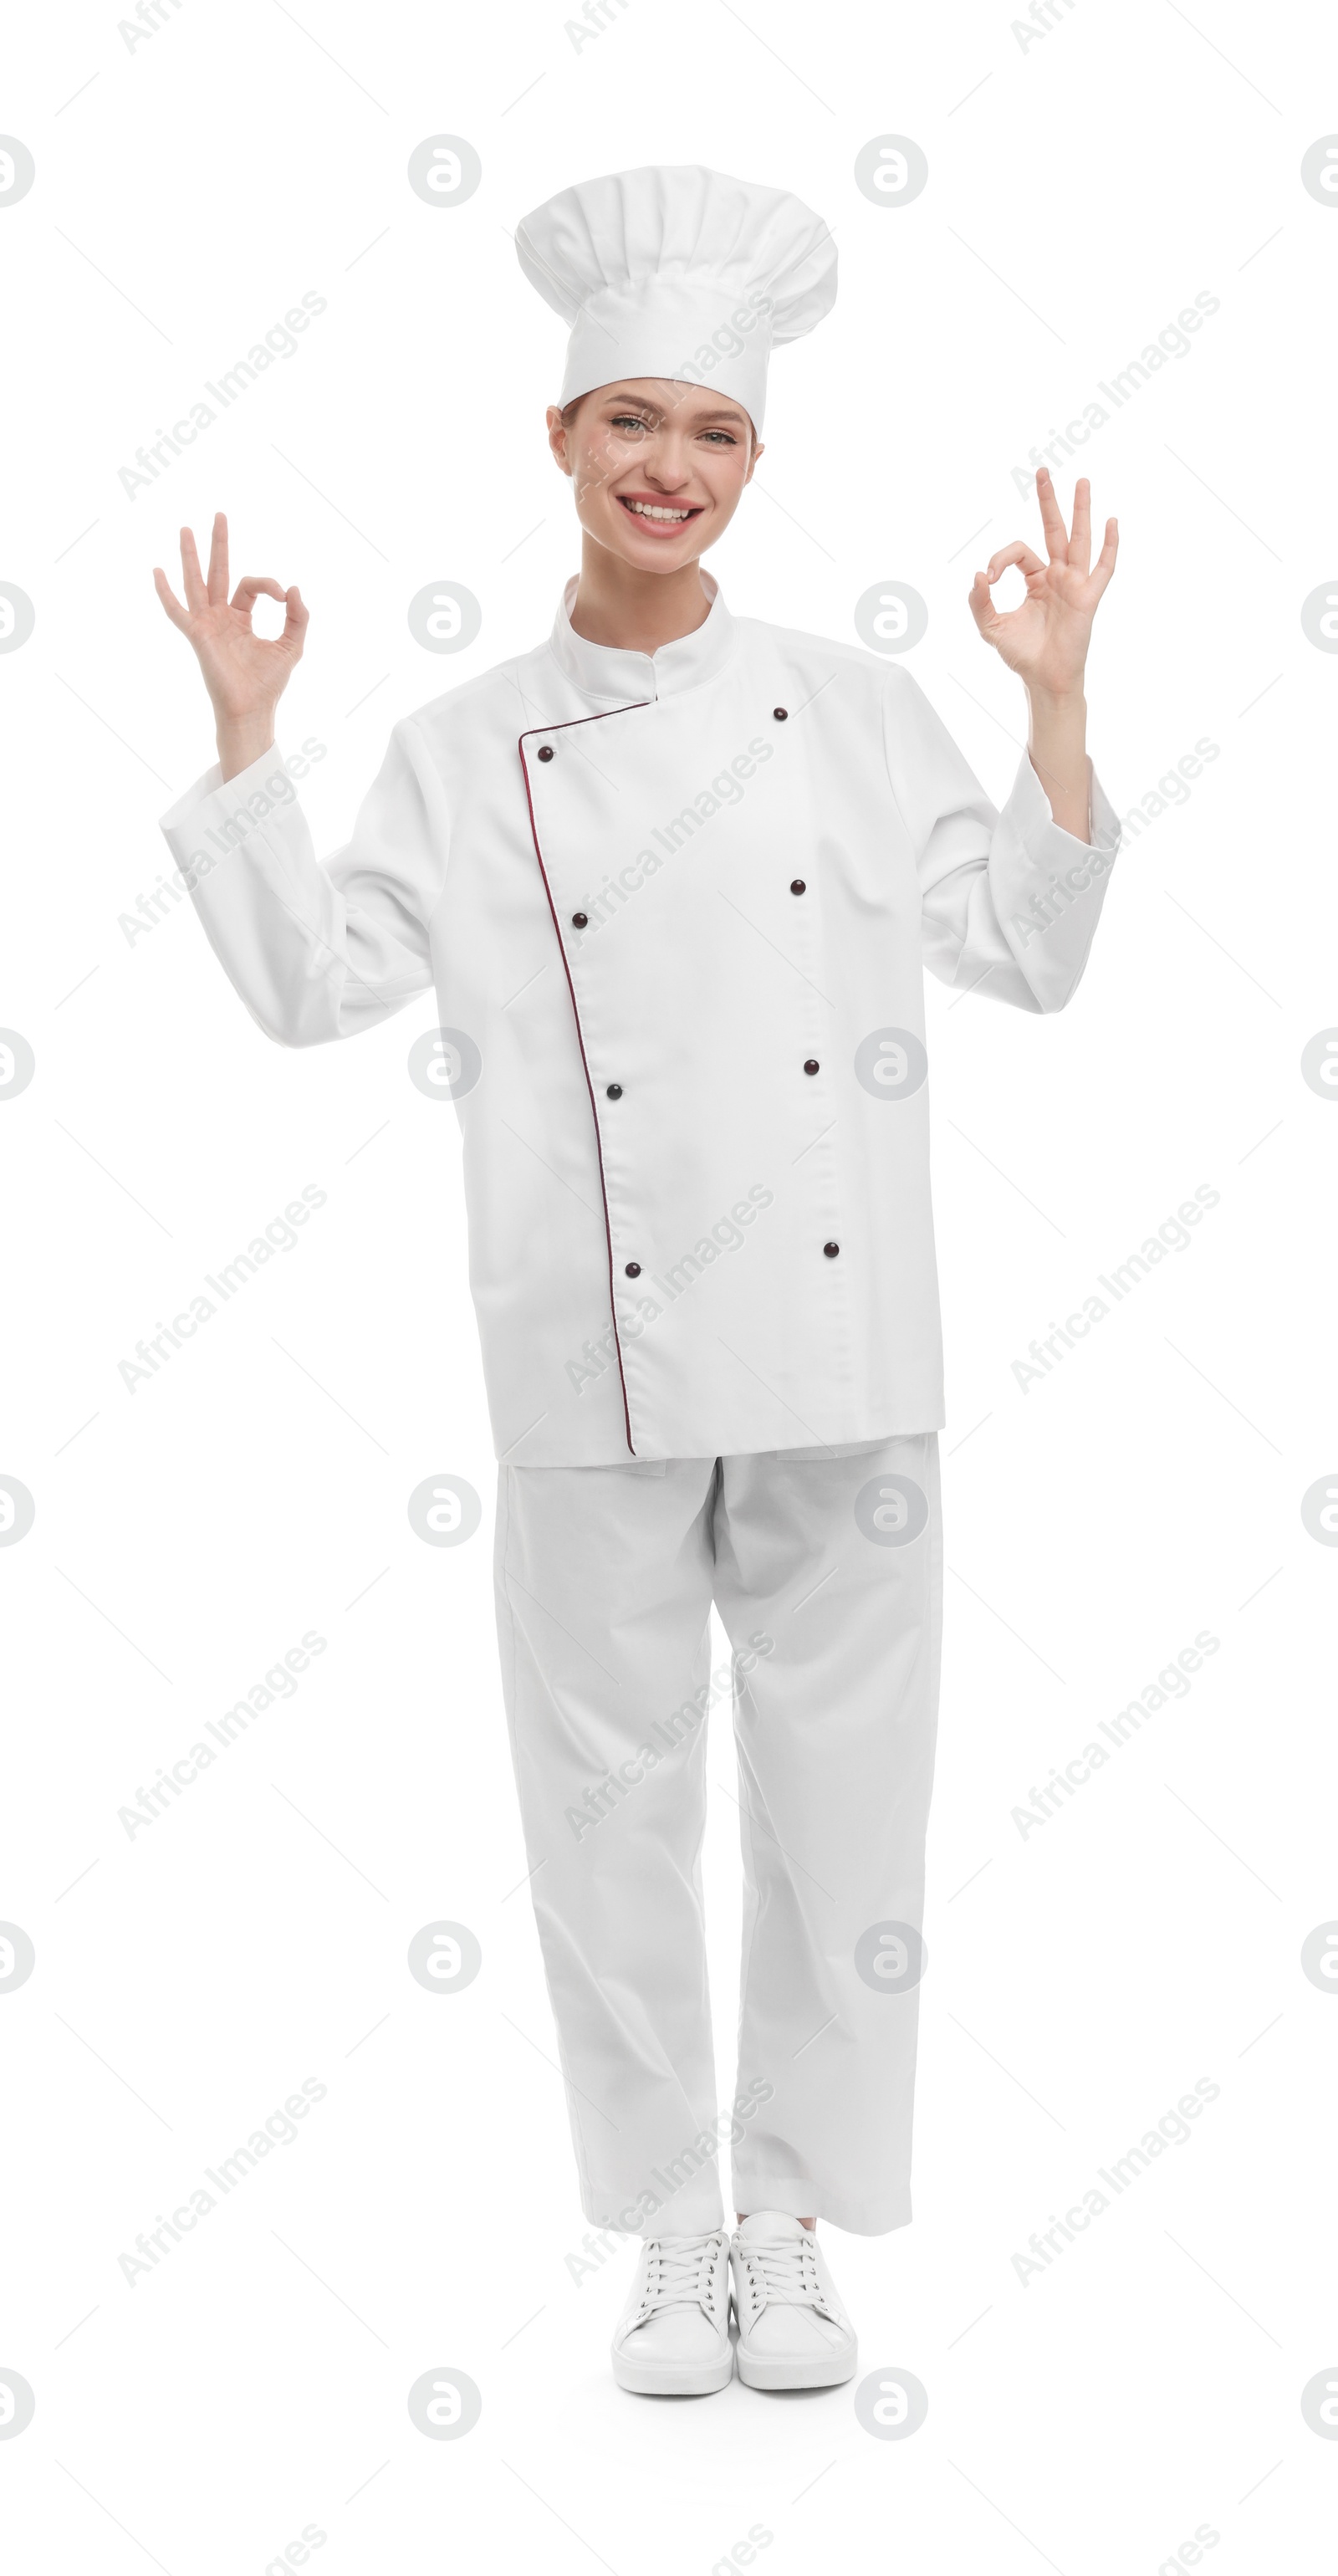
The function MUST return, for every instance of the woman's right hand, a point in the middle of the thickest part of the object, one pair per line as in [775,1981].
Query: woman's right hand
[245,673]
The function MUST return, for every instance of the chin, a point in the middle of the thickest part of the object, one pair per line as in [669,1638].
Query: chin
[651,554]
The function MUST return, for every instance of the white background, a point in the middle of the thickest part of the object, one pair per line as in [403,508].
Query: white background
[1083,189]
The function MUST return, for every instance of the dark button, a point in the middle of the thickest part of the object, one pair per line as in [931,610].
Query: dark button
[831,1250]
[797,886]
[780,714]
[812,1065]
[615,1091]
[545,751]
[580,920]
[633,1269]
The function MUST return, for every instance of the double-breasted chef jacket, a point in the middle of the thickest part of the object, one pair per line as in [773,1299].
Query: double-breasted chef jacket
[676,908]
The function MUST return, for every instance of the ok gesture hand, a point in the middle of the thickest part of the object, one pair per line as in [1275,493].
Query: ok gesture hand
[245,673]
[1045,639]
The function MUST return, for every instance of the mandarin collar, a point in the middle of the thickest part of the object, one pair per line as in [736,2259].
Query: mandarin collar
[606,671]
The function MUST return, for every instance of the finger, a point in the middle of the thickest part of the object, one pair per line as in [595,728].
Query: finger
[254,585]
[980,603]
[1018,553]
[1080,543]
[295,623]
[1105,562]
[197,596]
[1052,517]
[218,563]
[169,598]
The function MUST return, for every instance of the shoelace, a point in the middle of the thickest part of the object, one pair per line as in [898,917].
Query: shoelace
[785,2275]
[678,2270]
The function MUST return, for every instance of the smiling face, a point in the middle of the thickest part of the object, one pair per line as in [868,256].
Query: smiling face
[657,467]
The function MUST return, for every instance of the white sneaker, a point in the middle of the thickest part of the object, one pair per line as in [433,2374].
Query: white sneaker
[793,2330]
[672,2339]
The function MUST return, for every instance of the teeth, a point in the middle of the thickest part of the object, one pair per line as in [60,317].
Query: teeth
[648,510]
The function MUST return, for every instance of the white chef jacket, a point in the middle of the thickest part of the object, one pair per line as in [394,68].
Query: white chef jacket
[676,907]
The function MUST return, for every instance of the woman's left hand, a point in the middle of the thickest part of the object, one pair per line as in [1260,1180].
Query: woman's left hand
[1045,640]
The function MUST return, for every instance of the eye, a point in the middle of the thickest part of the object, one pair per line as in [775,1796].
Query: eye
[727,435]
[626,420]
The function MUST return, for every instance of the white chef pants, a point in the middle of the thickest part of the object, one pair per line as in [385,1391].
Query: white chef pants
[826,1568]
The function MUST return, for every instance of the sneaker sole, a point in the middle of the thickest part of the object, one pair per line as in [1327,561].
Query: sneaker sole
[762,2371]
[673,2378]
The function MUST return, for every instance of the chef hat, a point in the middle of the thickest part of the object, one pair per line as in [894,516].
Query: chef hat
[680,273]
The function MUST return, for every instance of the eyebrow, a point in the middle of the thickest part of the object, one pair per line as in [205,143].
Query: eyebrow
[656,411]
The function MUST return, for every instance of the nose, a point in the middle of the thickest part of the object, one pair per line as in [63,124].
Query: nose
[668,466]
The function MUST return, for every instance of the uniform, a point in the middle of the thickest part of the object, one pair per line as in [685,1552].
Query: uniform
[675,909]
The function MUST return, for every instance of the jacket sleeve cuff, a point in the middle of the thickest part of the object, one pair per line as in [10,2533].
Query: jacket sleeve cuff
[273,918]
[1050,886]
[203,823]
[1030,810]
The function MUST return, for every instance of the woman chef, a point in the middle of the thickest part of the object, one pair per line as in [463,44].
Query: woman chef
[673,874]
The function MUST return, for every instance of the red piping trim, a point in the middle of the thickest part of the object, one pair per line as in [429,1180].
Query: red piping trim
[566,727]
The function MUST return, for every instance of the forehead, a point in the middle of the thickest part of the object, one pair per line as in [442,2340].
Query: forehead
[690,406]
